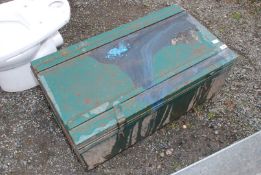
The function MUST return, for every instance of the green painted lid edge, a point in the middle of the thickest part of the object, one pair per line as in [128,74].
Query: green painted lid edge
[103,38]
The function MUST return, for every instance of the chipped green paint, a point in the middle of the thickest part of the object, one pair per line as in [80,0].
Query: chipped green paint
[104,38]
[116,88]
[76,104]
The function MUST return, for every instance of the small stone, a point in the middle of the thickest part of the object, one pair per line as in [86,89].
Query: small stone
[255,87]
[159,167]
[162,154]
[24,162]
[184,126]
[169,152]
[216,132]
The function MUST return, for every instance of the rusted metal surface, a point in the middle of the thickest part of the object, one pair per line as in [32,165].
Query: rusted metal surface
[146,125]
[108,97]
[180,101]
[104,38]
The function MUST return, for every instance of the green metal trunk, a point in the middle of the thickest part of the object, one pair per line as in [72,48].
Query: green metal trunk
[114,89]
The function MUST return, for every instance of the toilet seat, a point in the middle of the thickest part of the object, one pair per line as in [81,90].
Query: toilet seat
[25,24]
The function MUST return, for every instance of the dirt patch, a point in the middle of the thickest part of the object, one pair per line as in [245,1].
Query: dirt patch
[32,143]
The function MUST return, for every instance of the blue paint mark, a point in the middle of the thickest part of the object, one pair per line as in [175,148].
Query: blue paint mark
[117,51]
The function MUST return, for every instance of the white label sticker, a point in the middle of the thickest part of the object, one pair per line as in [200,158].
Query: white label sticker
[215,41]
[223,47]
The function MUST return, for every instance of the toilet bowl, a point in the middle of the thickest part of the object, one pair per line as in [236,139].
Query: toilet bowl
[28,31]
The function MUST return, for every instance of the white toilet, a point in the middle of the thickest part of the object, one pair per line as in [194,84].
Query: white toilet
[28,31]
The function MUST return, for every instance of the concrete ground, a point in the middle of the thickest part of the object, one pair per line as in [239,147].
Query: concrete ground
[32,143]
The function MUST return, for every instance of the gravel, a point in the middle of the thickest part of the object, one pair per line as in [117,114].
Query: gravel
[32,143]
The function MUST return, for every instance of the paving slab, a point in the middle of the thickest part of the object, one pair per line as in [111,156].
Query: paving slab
[241,158]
